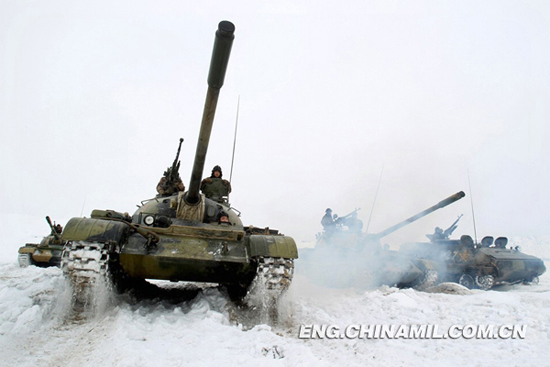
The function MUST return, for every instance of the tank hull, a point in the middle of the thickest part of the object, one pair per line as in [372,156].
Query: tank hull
[45,254]
[188,259]
[212,253]
[504,266]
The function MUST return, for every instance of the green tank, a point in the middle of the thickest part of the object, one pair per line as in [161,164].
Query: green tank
[344,256]
[43,254]
[181,235]
[476,265]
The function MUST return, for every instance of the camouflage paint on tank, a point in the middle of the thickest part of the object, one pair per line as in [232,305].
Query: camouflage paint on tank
[43,254]
[47,252]
[453,259]
[186,258]
[94,230]
[510,265]
[273,246]
[201,254]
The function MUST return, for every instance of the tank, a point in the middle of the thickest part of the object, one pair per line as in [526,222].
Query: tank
[180,235]
[47,252]
[476,265]
[345,256]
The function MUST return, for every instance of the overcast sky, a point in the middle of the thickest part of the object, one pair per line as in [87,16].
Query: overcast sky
[333,96]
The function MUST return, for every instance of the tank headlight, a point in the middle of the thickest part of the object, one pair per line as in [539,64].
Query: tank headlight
[149,220]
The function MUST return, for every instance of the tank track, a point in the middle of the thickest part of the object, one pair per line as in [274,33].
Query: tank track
[427,280]
[275,273]
[24,260]
[84,264]
[261,300]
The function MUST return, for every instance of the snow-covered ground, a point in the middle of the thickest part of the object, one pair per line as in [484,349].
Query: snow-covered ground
[37,328]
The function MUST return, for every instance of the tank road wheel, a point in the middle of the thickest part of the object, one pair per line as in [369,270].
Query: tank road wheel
[533,280]
[25,260]
[467,281]
[428,279]
[485,282]
[85,265]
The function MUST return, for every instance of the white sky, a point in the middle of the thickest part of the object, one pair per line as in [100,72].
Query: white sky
[95,95]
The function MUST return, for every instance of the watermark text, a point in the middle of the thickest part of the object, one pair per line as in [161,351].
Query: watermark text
[425,331]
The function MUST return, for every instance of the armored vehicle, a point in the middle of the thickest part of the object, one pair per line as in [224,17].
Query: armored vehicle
[182,235]
[476,265]
[47,252]
[345,257]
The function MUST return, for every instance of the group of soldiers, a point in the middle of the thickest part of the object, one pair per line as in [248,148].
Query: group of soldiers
[331,222]
[213,187]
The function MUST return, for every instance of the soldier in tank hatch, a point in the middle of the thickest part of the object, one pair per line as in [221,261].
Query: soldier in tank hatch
[223,218]
[328,222]
[214,187]
[170,183]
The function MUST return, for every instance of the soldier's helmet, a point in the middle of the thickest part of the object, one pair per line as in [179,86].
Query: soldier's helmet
[329,210]
[217,168]
[466,241]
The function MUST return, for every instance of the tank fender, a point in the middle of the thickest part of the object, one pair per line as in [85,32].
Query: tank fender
[94,230]
[26,250]
[273,246]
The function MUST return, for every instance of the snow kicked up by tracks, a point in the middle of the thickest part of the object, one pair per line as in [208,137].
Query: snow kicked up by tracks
[37,327]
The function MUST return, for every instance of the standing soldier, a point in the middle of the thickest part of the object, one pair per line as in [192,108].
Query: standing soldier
[167,186]
[170,183]
[214,187]
[328,222]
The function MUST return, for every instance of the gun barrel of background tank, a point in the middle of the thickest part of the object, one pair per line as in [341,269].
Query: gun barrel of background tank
[443,203]
[54,232]
[218,66]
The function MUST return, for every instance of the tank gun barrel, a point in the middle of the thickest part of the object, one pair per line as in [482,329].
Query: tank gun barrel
[54,232]
[443,203]
[218,66]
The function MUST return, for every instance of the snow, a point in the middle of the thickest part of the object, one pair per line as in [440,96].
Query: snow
[37,327]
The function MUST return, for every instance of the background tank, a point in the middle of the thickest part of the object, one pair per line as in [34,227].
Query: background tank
[480,265]
[344,257]
[180,236]
[47,252]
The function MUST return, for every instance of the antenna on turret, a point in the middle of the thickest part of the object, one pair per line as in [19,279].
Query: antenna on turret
[235,138]
[472,205]
[374,201]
